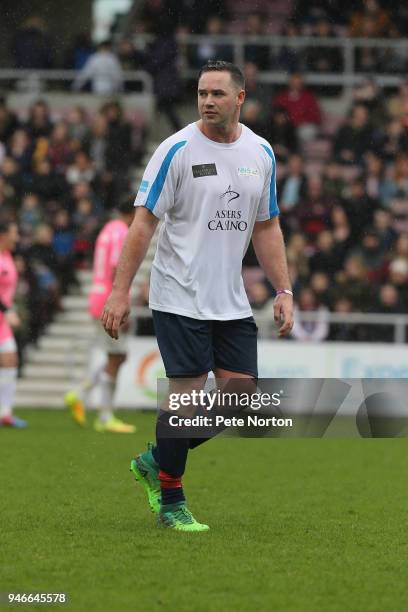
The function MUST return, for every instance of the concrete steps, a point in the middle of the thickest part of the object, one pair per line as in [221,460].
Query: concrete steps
[61,356]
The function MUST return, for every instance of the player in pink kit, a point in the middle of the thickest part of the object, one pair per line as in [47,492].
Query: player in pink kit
[8,320]
[108,247]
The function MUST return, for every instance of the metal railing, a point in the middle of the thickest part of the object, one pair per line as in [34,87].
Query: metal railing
[29,80]
[267,328]
[347,76]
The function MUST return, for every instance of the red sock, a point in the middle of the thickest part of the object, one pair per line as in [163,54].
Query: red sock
[171,489]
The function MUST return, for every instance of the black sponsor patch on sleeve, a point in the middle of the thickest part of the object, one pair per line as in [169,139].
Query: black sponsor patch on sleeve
[204,170]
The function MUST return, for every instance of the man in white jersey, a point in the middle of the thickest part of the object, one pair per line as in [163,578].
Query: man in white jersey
[213,184]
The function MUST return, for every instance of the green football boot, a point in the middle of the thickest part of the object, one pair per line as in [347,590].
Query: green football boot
[146,471]
[179,518]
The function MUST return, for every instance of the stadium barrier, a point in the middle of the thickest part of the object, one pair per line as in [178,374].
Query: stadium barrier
[277,359]
[393,58]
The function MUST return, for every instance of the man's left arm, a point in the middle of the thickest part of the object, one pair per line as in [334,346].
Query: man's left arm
[269,247]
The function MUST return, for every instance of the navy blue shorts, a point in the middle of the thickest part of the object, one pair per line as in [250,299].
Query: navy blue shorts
[190,347]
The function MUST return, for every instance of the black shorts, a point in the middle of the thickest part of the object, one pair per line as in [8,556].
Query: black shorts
[190,347]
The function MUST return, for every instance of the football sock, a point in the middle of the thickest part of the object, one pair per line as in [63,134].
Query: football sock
[8,384]
[89,383]
[106,386]
[171,489]
[170,453]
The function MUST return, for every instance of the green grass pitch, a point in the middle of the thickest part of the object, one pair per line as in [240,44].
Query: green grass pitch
[296,525]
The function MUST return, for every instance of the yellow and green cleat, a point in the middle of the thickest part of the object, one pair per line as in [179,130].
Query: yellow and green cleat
[113,425]
[179,518]
[76,407]
[146,471]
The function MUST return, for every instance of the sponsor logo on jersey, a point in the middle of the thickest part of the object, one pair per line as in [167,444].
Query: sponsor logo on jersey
[227,220]
[230,194]
[204,170]
[244,171]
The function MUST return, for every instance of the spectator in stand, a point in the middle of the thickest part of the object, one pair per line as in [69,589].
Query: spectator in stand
[256,53]
[352,282]
[78,127]
[373,256]
[325,258]
[282,135]
[102,70]
[307,12]
[31,46]
[256,91]
[202,10]
[344,332]
[289,59]
[398,277]
[296,254]
[322,58]
[12,180]
[367,92]
[320,284]
[59,148]
[207,49]
[314,211]
[292,188]
[382,222]
[96,142]
[388,302]
[401,246]
[333,181]
[149,13]
[302,107]
[30,216]
[310,331]
[343,239]
[63,245]
[118,154]
[396,186]
[80,170]
[370,22]
[161,61]
[252,117]
[358,208]
[83,191]
[42,259]
[8,122]
[39,124]
[397,105]
[46,183]
[373,11]
[80,51]
[373,176]
[86,223]
[395,139]
[21,150]
[354,138]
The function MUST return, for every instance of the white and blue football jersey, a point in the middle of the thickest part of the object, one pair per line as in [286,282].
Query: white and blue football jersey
[209,195]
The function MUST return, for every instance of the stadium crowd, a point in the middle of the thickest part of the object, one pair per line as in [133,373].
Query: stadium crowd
[342,180]
[59,179]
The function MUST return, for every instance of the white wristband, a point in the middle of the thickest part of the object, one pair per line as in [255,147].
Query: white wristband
[287,291]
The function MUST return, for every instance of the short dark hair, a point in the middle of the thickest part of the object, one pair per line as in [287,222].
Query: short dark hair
[221,66]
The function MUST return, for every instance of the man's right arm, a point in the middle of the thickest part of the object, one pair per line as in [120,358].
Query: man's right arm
[137,241]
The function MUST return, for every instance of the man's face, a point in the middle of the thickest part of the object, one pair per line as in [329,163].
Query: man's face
[219,99]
